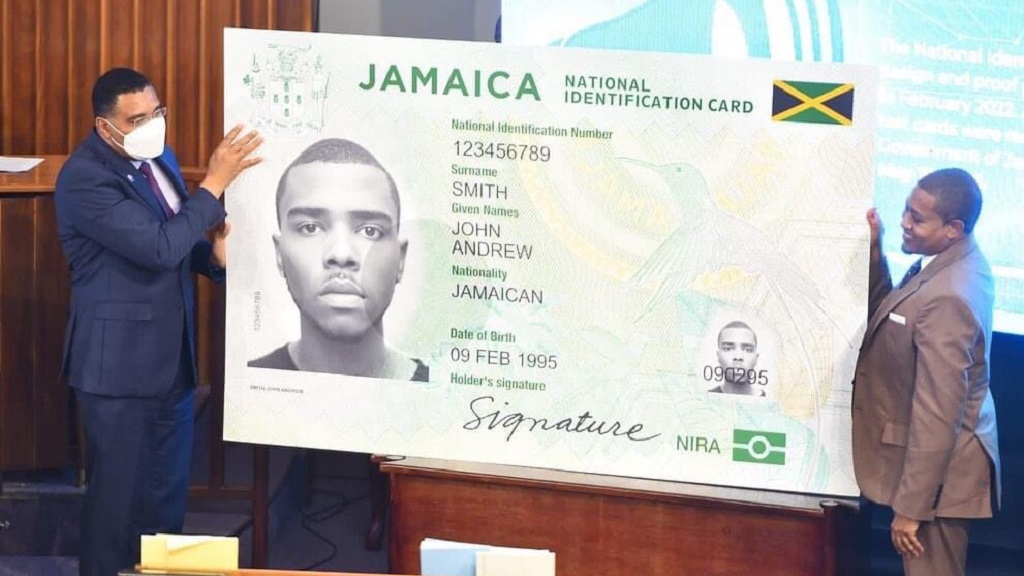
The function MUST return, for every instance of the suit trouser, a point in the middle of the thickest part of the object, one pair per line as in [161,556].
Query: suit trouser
[945,548]
[138,455]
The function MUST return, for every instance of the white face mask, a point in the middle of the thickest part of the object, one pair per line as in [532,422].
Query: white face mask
[145,142]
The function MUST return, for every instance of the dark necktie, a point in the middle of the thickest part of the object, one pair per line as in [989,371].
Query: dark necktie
[147,170]
[911,272]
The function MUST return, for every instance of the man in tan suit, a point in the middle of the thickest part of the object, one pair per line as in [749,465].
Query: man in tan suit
[924,423]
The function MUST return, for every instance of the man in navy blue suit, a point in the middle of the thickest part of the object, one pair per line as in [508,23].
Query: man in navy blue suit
[132,237]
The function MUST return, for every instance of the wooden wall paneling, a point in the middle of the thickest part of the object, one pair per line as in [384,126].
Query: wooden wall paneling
[294,16]
[83,65]
[167,52]
[52,50]
[5,100]
[272,9]
[51,109]
[184,92]
[254,13]
[6,104]
[119,33]
[17,359]
[221,15]
[22,41]
[7,26]
[203,84]
[153,31]
[49,317]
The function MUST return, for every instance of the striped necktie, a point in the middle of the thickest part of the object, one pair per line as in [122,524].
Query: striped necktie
[147,170]
[911,272]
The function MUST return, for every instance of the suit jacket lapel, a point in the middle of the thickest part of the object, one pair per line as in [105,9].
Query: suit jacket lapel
[891,300]
[897,295]
[172,175]
[125,169]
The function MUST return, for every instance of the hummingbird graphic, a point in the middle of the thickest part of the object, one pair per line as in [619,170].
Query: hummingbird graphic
[710,239]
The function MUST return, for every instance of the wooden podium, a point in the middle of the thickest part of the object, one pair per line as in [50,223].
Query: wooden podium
[34,288]
[617,526]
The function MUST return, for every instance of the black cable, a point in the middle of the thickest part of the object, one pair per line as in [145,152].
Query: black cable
[323,514]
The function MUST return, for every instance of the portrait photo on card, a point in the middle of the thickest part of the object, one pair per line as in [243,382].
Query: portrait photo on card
[341,254]
[736,360]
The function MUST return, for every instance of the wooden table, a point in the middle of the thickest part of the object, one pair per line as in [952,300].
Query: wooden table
[40,179]
[617,526]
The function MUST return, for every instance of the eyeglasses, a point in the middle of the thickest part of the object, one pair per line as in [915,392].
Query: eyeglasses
[160,112]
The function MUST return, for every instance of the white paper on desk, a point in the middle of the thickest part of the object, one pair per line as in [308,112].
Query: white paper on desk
[448,558]
[451,558]
[9,164]
[514,562]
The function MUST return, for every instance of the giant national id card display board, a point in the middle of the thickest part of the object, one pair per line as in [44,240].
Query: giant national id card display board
[635,264]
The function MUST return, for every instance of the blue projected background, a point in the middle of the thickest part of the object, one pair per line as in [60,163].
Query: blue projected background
[951,89]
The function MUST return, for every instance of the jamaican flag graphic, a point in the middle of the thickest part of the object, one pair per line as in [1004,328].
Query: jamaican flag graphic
[813,102]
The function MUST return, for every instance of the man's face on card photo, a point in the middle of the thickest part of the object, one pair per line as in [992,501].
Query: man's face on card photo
[737,349]
[339,248]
